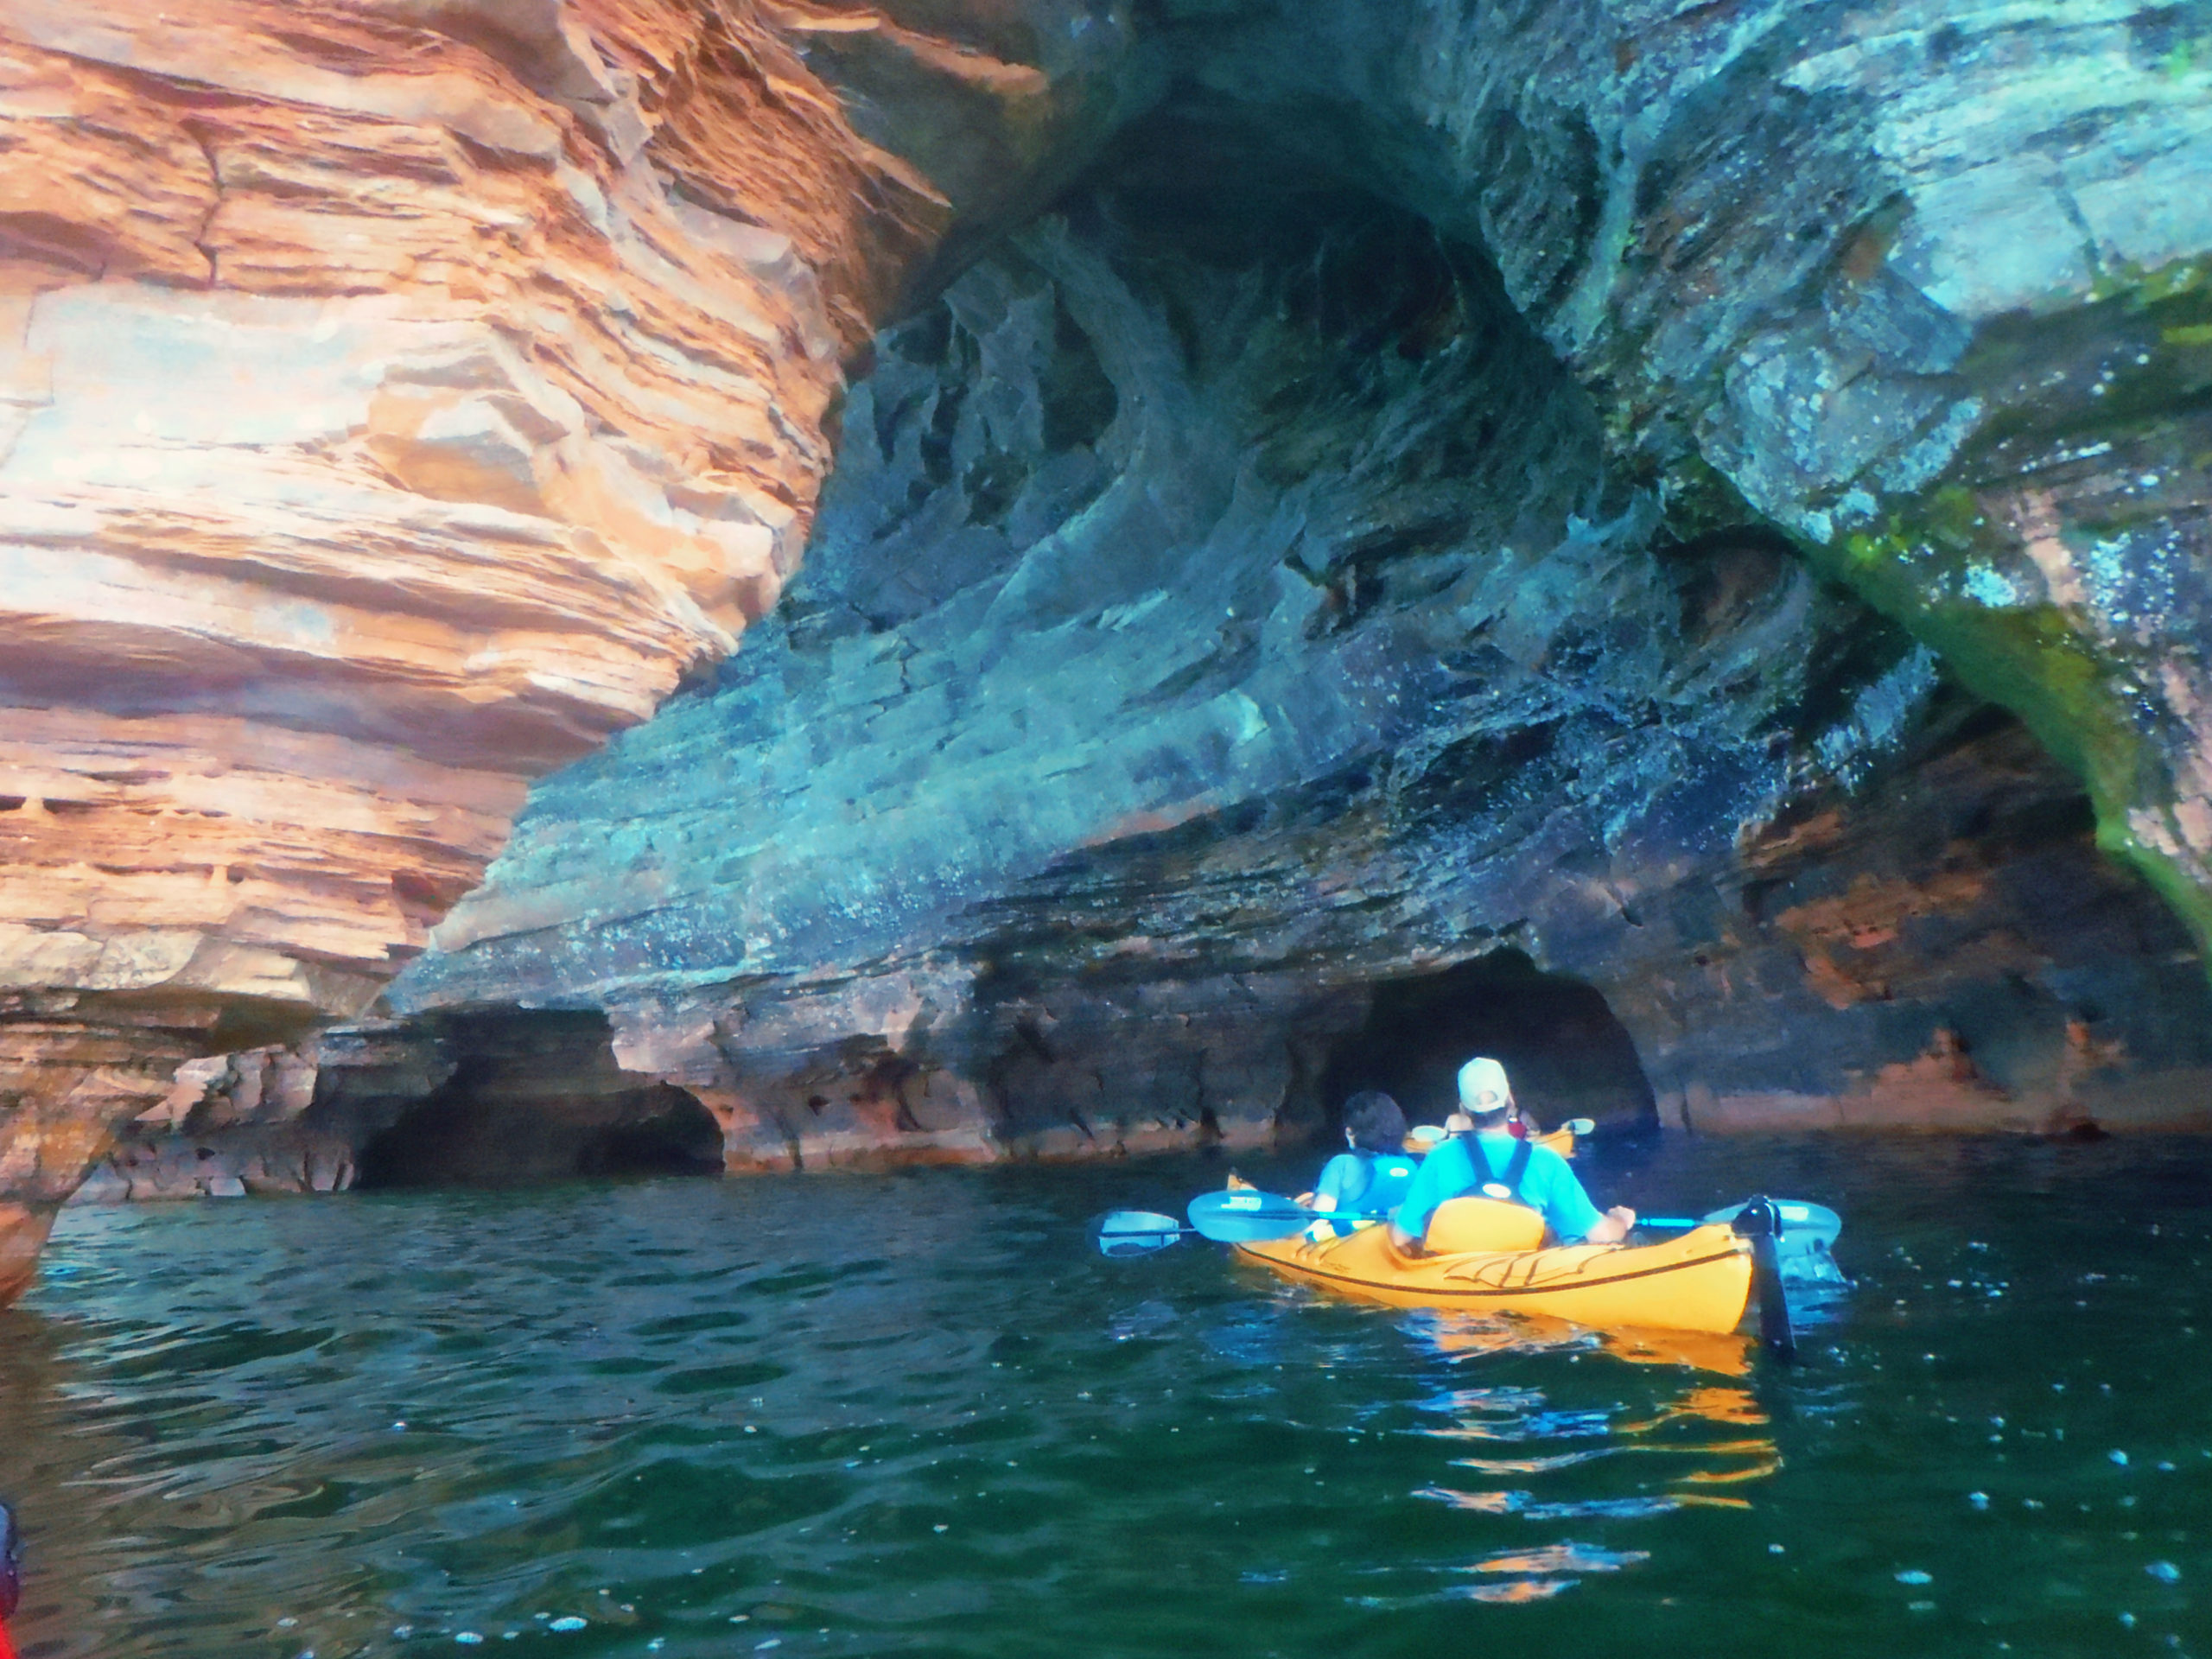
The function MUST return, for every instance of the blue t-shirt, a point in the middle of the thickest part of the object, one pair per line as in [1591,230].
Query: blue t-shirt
[1457,1167]
[1365,1180]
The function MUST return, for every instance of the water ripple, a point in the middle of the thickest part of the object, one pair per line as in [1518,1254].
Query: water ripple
[917,1416]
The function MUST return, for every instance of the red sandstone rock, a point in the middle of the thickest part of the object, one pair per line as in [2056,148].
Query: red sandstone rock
[396,398]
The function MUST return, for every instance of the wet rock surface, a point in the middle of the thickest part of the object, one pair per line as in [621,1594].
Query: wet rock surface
[1212,625]
[1942,946]
[1927,286]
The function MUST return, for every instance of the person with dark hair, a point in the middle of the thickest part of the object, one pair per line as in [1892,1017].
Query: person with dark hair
[1487,1159]
[11,1581]
[1374,1173]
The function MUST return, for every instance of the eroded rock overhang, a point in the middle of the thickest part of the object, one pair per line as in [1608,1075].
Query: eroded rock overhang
[397,399]
[1926,285]
[1227,612]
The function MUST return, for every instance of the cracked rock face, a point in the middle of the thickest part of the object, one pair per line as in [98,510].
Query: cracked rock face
[1218,612]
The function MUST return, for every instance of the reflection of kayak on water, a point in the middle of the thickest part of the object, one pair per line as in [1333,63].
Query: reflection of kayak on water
[1699,1281]
[1470,1334]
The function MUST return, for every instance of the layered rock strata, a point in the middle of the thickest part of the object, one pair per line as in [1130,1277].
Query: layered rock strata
[1211,622]
[484,1102]
[394,400]
[1922,288]
[1930,286]
[1943,946]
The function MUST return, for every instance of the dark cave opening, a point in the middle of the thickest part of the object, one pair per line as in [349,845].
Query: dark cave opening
[536,1096]
[1567,1054]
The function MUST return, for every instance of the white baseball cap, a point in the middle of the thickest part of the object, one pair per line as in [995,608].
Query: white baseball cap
[1483,1087]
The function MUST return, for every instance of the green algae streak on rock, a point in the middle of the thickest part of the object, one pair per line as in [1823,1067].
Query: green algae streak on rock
[397,400]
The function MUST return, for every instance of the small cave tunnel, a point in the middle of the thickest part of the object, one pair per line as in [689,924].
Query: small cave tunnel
[536,1096]
[1567,1053]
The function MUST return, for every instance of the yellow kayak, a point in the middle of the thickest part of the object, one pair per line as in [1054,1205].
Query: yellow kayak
[1700,1280]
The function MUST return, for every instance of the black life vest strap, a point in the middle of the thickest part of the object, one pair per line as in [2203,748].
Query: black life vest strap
[1517,1166]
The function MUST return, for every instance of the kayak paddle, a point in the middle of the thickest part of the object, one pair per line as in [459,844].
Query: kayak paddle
[1246,1216]
[1759,1219]
[1238,1216]
[1138,1232]
[1795,1219]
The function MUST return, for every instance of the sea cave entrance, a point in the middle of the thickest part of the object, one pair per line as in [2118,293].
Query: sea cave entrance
[1569,1055]
[536,1096]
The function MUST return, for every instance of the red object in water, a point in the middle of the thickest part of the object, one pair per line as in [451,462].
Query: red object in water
[7,1648]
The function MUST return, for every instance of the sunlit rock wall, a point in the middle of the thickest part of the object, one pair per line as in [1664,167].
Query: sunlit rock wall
[396,398]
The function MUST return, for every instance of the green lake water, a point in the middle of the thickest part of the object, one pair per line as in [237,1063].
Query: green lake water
[918,1415]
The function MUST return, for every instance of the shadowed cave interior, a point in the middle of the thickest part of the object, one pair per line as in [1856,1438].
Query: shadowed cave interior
[536,1096]
[1567,1053]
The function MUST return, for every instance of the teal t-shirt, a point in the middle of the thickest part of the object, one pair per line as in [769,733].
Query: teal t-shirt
[1457,1168]
[1365,1180]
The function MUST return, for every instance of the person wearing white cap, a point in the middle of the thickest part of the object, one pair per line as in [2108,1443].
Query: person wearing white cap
[1491,1161]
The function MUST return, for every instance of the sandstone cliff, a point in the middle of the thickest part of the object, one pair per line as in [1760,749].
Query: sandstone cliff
[395,399]
[1063,797]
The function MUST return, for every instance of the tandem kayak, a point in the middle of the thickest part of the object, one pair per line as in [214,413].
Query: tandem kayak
[1701,1281]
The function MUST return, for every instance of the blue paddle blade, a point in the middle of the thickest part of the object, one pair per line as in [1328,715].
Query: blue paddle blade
[1137,1232]
[1242,1216]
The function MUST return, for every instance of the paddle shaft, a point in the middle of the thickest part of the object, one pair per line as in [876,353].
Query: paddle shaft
[1192,1232]
[1244,1216]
